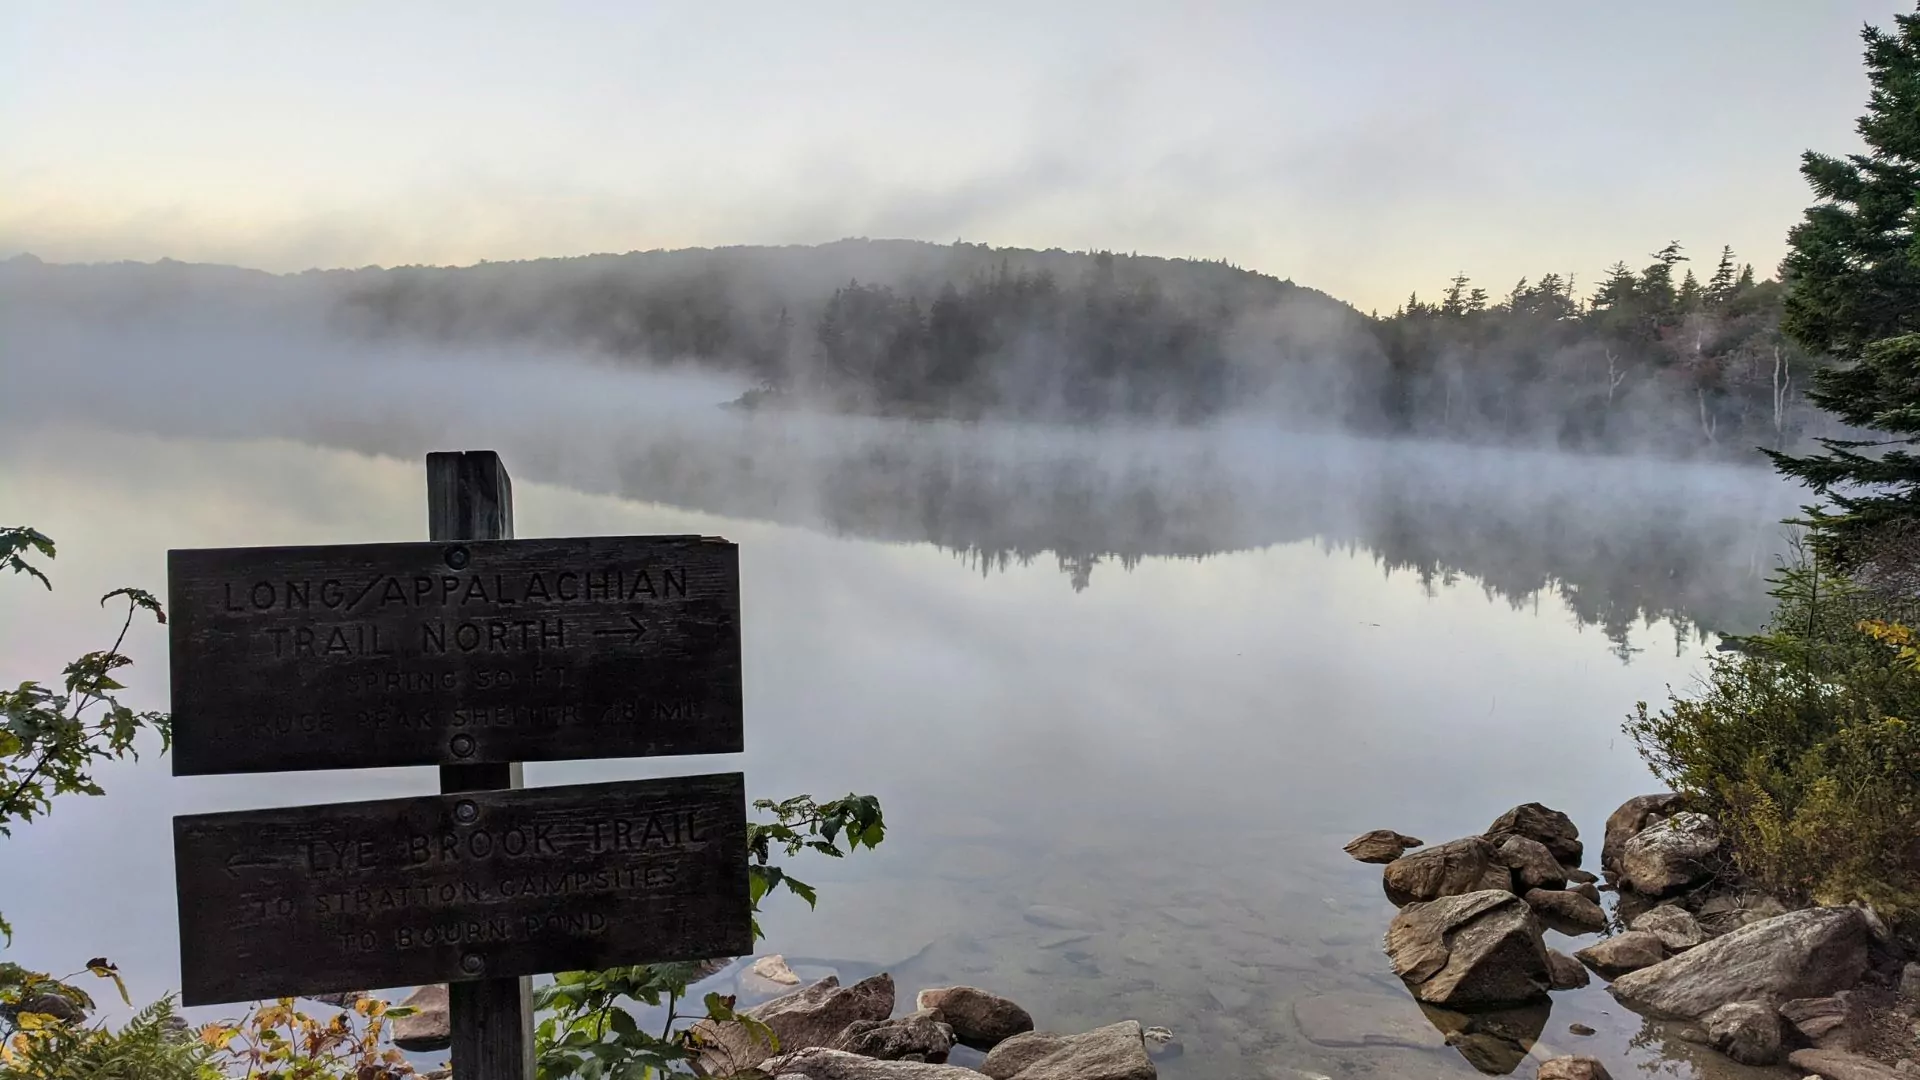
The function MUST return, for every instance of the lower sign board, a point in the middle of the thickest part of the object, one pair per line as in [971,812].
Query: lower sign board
[482,884]
[368,655]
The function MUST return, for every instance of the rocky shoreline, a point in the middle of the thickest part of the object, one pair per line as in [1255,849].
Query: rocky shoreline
[1825,989]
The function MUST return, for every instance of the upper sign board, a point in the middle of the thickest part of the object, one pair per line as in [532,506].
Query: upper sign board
[368,655]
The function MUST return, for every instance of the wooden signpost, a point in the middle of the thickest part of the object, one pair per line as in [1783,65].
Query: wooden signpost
[475,652]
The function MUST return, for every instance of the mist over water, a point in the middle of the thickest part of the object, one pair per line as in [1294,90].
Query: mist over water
[1155,673]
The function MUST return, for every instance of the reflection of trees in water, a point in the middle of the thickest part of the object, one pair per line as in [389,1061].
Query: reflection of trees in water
[1620,545]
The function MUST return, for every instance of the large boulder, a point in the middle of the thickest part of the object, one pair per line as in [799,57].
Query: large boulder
[1115,1052]
[1450,869]
[428,1028]
[1626,823]
[821,1063]
[1666,858]
[1675,926]
[1380,846]
[1623,953]
[1550,827]
[1533,866]
[979,1019]
[1802,954]
[1481,949]
[812,1016]
[1746,1031]
[1840,1065]
[1573,1068]
[1570,913]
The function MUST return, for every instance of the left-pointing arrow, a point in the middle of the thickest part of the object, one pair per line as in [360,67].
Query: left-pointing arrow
[236,863]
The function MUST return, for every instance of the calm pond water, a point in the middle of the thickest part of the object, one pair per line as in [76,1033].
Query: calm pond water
[1155,677]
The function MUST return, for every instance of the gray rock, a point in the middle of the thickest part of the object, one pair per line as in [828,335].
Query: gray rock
[428,1029]
[1574,1068]
[1057,917]
[1587,889]
[1675,926]
[1550,827]
[1910,982]
[812,1016]
[1115,1052]
[1840,1065]
[1826,1023]
[1581,1029]
[1533,866]
[338,1001]
[1564,972]
[1746,1031]
[978,1018]
[1569,913]
[1579,876]
[820,1063]
[1625,823]
[1622,953]
[1478,950]
[1380,846]
[1679,852]
[1729,911]
[1450,869]
[1810,953]
[917,1036]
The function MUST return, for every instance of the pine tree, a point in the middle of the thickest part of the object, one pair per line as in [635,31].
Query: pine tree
[1690,294]
[1720,286]
[1454,302]
[1853,268]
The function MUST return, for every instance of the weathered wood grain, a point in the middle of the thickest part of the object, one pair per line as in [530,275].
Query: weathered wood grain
[461,652]
[450,888]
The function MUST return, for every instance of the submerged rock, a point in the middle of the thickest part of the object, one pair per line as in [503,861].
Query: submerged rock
[1569,913]
[1450,869]
[1675,926]
[1533,866]
[1115,1052]
[813,1016]
[978,1018]
[428,1029]
[1564,972]
[1840,1065]
[1058,917]
[1574,1068]
[1679,852]
[1380,846]
[1350,1018]
[1623,953]
[1493,1041]
[1802,954]
[1550,827]
[1627,822]
[1482,949]
[1746,1031]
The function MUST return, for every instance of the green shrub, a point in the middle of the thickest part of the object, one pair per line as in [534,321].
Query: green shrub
[152,1046]
[1805,745]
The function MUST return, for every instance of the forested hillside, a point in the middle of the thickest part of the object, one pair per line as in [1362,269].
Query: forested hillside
[1656,359]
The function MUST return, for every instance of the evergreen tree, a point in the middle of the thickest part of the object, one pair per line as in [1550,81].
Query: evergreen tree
[1720,286]
[1853,267]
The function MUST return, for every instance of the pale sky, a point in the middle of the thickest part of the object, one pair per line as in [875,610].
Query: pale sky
[1365,147]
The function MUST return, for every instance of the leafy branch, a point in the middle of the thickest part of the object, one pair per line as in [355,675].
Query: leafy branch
[586,1030]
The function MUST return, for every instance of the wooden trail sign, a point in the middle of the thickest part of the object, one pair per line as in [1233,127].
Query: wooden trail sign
[447,888]
[472,651]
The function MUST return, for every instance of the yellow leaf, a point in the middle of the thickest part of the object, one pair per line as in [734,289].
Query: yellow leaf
[33,1021]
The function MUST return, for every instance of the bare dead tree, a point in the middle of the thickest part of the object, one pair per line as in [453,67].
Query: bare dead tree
[1615,375]
[1709,423]
[1782,388]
